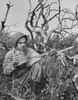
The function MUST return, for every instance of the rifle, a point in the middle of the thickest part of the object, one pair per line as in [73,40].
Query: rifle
[39,56]
[25,81]
[51,51]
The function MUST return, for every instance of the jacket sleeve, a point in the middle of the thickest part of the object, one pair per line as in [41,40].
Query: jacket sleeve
[8,63]
[33,57]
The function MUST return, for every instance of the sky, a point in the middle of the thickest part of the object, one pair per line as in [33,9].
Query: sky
[18,12]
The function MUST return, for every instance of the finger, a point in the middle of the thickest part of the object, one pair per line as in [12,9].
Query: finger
[15,56]
[16,59]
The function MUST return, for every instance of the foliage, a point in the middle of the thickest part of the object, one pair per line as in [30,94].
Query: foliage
[59,84]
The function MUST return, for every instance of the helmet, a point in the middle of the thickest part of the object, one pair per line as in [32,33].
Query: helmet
[16,37]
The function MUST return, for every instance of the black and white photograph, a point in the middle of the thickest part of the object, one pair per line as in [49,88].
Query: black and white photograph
[38,49]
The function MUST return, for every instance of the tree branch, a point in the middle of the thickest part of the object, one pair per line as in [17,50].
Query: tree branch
[4,46]
[3,22]
[54,15]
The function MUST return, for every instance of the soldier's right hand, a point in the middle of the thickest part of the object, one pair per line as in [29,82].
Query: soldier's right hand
[15,58]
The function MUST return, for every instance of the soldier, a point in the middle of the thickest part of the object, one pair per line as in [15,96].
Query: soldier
[16,60]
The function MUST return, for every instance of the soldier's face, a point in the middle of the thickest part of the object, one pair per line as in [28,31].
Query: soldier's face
[21,45]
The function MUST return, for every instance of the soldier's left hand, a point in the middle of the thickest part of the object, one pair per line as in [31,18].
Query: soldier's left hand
[53,52]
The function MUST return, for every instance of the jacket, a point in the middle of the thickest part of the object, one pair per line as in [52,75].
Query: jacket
[8,61]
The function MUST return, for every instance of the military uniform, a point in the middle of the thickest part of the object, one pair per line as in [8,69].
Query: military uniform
[27,65]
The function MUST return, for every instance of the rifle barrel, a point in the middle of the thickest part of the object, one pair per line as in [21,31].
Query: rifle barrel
[46,53]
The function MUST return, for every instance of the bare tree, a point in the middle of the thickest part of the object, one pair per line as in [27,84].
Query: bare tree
[40,19]
[6,15]
[4,35]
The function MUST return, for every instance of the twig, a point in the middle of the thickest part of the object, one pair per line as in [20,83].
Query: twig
[3,22]
[4,46]
[16,98]
[54,15]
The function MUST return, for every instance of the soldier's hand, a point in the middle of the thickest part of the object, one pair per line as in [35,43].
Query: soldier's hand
[15,58]
[53,52]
